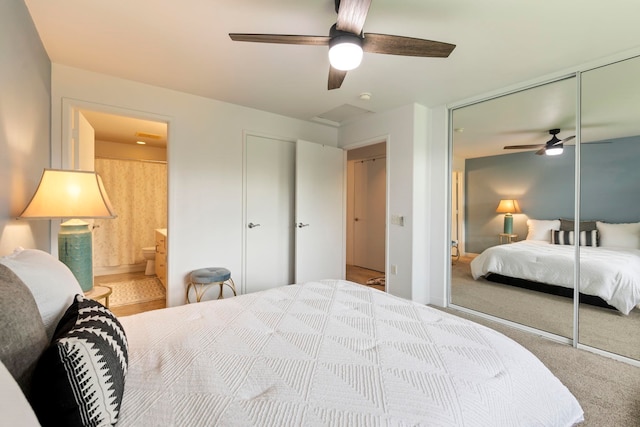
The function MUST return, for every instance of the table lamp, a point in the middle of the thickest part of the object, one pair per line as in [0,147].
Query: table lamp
[508,207]
[74,195]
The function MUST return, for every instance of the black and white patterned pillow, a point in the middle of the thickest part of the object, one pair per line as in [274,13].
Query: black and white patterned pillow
[79,380]
[564,237]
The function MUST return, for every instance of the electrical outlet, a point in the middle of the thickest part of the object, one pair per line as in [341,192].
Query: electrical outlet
[394,269]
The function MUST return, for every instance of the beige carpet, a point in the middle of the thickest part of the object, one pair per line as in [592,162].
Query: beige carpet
[599,327]
[135,291]
[608,390]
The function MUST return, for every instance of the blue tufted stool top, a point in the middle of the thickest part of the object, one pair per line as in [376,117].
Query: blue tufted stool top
[210,275]
[201,278]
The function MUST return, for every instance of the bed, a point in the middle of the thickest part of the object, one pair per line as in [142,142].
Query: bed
[610,272]
[320,353]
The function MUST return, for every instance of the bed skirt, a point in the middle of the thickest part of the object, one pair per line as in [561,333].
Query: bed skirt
[547,289]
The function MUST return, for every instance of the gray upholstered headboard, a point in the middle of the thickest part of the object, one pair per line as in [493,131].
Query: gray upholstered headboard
[22,334]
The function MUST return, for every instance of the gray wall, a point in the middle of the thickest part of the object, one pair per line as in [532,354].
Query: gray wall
[544,188]
[25,102]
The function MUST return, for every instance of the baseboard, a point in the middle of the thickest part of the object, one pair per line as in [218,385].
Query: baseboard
[119,269]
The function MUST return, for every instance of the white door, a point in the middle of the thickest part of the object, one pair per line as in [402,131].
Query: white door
[370,214]
[269,235]
[86,143]
[79,152]
[319,212]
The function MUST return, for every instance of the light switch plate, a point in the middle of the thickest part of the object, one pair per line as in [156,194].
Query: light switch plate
[397,220]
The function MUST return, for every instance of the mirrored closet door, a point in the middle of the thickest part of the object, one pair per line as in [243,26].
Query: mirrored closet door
[509,194]
[610,205]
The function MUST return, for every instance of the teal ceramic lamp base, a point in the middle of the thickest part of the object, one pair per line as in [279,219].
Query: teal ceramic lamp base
[76,252]
[508,224]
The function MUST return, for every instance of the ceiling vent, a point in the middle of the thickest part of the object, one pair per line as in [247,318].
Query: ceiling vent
[148,135]
[341,114]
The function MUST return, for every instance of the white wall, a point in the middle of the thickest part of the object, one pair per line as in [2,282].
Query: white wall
[25,82]
[405,128]
[438,206]
[205,161]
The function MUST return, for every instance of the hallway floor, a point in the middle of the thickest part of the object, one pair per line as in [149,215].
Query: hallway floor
[361,275]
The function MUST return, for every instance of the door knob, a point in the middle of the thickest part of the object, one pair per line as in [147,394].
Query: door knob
[300,225]
[356,219]
[252,225]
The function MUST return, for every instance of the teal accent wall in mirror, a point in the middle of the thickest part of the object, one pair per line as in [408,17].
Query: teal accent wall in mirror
[543,199]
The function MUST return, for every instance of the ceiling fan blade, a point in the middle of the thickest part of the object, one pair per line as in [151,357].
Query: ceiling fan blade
[352,14]
[281,39]
[566,140]
[406,46]
[336,77]
[541,151]
[523,147]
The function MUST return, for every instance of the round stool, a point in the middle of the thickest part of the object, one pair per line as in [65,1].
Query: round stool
[201,279]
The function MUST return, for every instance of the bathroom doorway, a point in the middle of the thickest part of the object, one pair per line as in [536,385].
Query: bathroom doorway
[130,154]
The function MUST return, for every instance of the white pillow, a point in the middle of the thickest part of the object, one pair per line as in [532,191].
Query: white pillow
[619,235]
[51,282]
[14,407]
[541,229]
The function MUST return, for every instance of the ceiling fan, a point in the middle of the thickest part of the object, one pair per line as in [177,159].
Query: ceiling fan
[552,147]
[347,42]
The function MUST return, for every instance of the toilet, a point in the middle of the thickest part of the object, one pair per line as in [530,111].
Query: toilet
[150,255]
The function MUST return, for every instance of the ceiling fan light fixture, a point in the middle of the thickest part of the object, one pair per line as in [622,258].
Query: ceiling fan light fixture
[345,52]
[554,151]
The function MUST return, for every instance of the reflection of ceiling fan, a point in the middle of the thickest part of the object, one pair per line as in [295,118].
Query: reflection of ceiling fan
[552,147]
[346,41]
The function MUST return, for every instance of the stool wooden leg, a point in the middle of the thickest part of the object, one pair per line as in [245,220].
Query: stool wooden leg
[200,289]
[232,285]
[186,297]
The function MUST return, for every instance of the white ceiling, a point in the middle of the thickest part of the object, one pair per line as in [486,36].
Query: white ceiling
[185,46]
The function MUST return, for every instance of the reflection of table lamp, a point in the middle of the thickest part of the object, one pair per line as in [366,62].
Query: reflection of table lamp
[72,194]
[507,207]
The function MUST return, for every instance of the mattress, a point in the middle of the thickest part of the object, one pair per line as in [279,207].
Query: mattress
[609,273]
[331,353]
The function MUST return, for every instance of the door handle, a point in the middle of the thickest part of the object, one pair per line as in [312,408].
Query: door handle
[300,225]
[252,225]
[356,219]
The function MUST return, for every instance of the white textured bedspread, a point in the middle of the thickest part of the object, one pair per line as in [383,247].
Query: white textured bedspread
[609,273]
[331,353]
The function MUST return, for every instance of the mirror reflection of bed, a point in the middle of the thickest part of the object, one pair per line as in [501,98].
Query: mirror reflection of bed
[545,187]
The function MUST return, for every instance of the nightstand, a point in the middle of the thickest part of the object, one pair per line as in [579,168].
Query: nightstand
[99,292]
[507,238]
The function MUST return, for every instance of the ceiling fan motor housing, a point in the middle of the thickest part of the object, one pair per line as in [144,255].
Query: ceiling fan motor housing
[345,49]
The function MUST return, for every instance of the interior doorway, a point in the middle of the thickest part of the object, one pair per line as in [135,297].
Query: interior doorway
[130,154]
[129,151]
[366,215]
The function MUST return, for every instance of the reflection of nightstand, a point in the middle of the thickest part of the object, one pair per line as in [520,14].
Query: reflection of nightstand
[507,238]
[99,292]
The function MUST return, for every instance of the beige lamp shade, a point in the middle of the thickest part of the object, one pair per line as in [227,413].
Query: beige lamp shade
[508,206]
[69,194]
